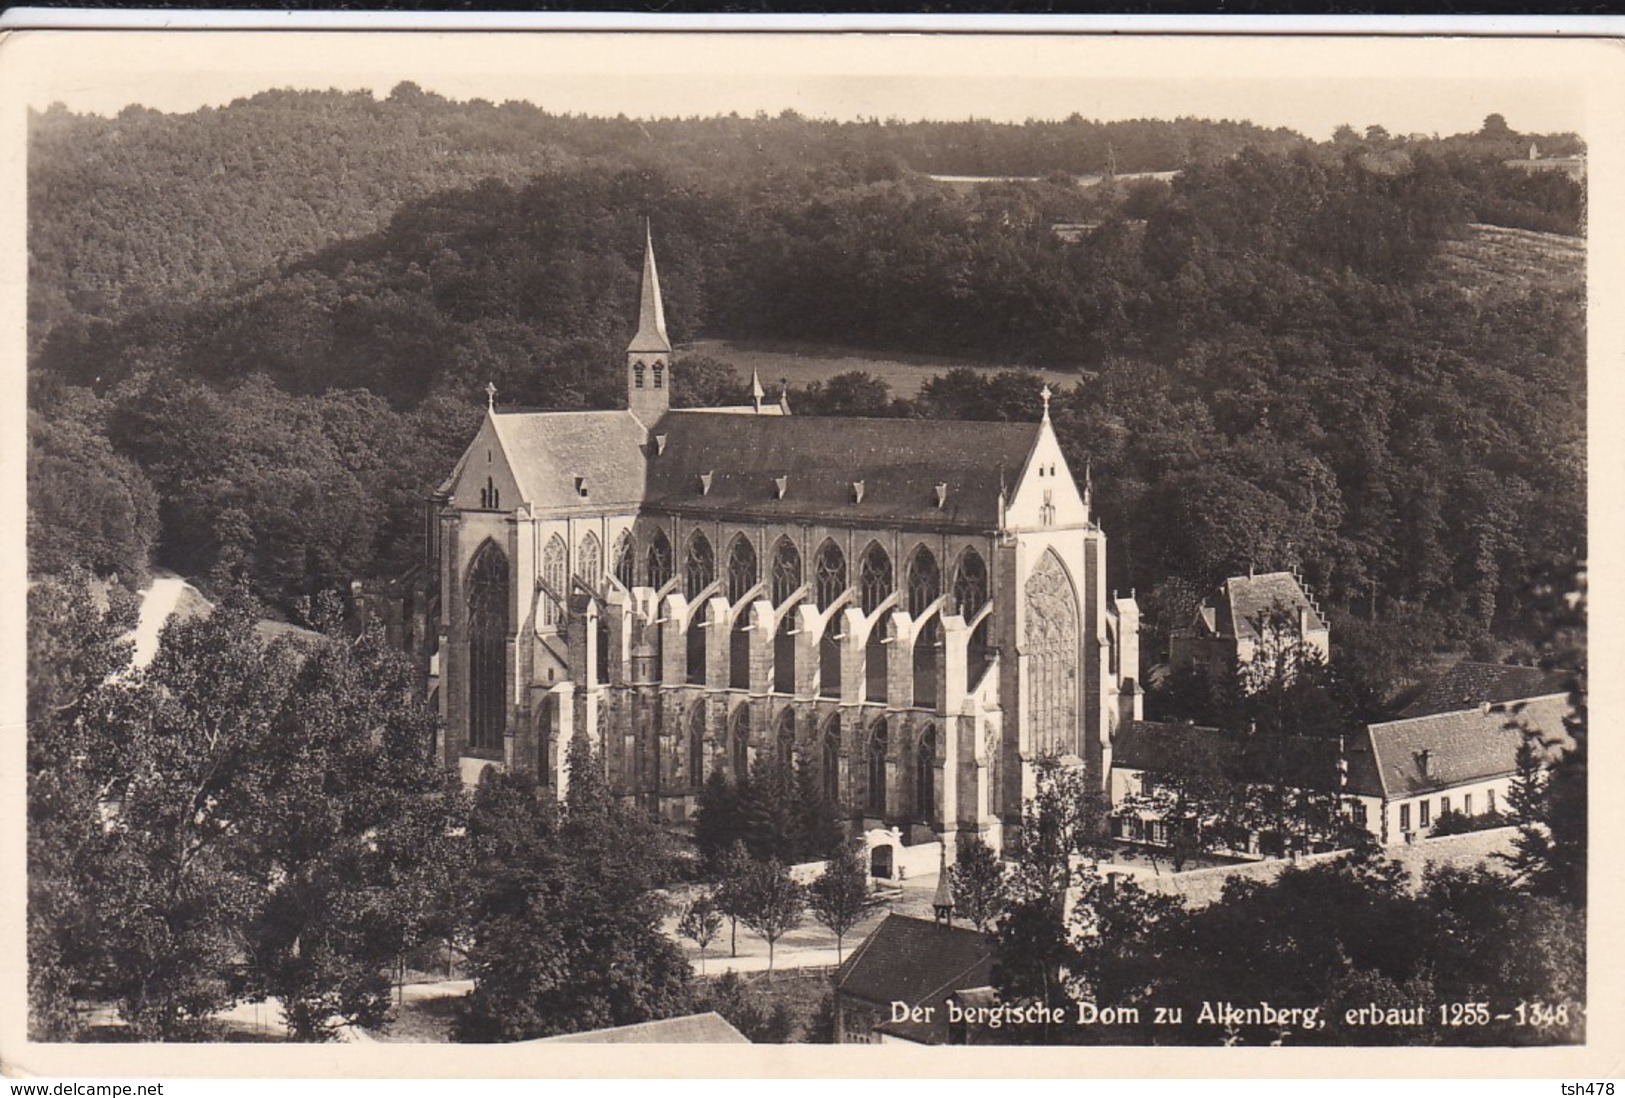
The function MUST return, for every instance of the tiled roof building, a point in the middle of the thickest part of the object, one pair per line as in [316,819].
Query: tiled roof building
[915,963]
[917,609]
[1467,685]
[1229,624]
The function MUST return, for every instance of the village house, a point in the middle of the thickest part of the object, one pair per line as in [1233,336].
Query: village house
[1230,624]
[897,983]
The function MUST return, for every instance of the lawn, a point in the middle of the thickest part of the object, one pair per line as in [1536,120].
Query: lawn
[803,363]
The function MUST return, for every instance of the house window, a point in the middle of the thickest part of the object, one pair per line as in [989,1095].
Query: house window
[1466,804]
[1426,808]
[1444,805]
[1358,812]
[1489,798]
[1404,817]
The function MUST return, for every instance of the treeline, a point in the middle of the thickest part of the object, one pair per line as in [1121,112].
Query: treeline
[145,207]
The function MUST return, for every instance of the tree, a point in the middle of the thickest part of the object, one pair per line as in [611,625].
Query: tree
[978,882]
[700,924]
[840,896]
[358,838]
[74,647]
[566,920]
[773,904]
[732,872]
[718,818]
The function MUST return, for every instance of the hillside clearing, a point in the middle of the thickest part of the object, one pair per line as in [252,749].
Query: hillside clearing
[801,364]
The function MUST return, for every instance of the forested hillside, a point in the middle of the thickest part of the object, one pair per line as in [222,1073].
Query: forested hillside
[146,208]
[1297,355]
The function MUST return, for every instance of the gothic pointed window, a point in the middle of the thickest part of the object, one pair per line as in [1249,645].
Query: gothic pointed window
[626,560]
[785,742]
[739,743]
[877,578]
[830,763]
[924,588]
[741,568]
[971,594]
[879,744]
[925,776]
[831,568]
[700,568]
[555,578]
[660,375]
[657,566]
[1051,649]
[488,619]
[637,376]
[590,561]
[786,571]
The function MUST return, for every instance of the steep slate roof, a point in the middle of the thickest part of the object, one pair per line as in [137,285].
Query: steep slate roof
[548,450]
[1468,684]
[651,335]
[899,461]
[709,1028]
[1303,762]
[916,962]
[1465,746]
[1242,600]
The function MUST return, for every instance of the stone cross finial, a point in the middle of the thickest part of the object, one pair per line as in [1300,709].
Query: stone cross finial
[1045,394]
[490,396]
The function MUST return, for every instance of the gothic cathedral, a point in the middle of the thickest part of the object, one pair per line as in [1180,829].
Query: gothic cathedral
[916,609]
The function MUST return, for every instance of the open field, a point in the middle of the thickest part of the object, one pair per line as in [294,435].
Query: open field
[802,363]
[1491,260]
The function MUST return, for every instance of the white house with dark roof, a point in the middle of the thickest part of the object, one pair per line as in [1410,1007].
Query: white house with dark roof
[917,610]
[1404,774]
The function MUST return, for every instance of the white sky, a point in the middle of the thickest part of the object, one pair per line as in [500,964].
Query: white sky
[1309,85]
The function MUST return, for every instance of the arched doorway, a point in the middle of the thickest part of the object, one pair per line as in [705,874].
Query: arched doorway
[881,863]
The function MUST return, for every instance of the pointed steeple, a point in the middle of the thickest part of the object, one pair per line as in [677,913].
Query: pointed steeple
[651,337]
[648,356]
[756,390]
[942,903]
[784,396]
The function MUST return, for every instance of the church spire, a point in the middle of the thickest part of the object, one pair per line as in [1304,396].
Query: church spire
[651,337]
[756,390]
[648,356]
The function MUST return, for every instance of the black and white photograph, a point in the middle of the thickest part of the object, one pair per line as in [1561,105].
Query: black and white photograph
[809,540]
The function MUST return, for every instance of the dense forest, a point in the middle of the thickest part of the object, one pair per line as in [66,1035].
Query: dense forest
[1287,356]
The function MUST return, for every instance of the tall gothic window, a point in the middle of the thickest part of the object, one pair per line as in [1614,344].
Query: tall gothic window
[831,572]
[786,571]
[877,581]
[487,648]
[660,375]
[696,745]
[829,661]
[626,560]
[741,568]
[557,581]
[658,564]
[924,588]
[739,743]
[590,561]
[785,742]
[637,376]
[874,664]
[830,763]
[700,569]
[879,743]
[971,592]
[925,776]
[1052,658]
[697,629]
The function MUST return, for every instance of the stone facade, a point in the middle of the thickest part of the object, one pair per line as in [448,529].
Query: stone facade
[917,610]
